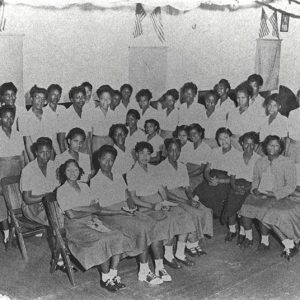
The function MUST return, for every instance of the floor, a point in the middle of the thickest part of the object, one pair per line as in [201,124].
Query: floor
[226,272]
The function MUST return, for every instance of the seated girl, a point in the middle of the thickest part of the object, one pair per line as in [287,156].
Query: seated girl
[210,122]
[169,117]
[124,160]
[76,139]
[38,178]
[91,241]
[182,133]
[198,156]
[147,192]
[152,128]
[134,133]
[11,160]
[270,202]
[174,177]
[241,177]
[213,191]
[110,188]
[274,123]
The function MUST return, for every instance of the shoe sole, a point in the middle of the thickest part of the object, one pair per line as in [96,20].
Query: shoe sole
[152,284]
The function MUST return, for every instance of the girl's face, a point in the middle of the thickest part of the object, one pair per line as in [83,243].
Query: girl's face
[273,108]
[210,102]
[143,156]
[248,146]
[183,137]
[43,154]
[126,93]
[78,100]
[115,100]
[54,96]
[106,162]
[72,171]
[195,136]
[9,98]
[131,121]
[119,136]
[170,101]
[7,119]
[273,148]
[88,92]
[76,143]
[39,100]
[224,141]
[189,96]
[173,152]
[143,102]
[255,87]
[222,90]
[150,128]
[104,100]
[242,99]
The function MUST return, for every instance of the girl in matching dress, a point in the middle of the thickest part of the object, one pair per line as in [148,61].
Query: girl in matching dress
[182,133]
[91,240]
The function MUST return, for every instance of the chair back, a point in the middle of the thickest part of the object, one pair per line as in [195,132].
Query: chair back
[53,211]
[12,193]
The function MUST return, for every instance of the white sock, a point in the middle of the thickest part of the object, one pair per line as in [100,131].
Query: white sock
[192,245]
[265,240]
[249,234]
[60,261]
[144,268]
[242,230]
[169,253]
[6,235]
[113,273]
[289,244]
[106,276]
[232,228]
[159,265]
[180,250]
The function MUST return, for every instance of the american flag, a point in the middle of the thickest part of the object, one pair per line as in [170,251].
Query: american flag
[274,23]
[140,14]
[157,23]
[264,30]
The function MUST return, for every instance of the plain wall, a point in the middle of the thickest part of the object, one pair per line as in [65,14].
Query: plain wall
[70,46]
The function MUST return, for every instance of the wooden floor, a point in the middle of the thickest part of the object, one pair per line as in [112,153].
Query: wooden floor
[225,273]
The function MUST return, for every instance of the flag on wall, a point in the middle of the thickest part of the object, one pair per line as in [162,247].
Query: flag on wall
[274,23]
[264,30]
[140,14]
[157,23]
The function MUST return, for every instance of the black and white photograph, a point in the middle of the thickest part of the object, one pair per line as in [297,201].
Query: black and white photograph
[149,150]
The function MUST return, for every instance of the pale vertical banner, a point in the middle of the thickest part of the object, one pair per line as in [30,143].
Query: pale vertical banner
[11,62]
[148,69]
[267,62]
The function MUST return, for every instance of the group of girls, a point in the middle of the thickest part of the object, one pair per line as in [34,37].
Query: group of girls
[131,176]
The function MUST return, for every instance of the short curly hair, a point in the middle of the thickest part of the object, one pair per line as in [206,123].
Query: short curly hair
[62,170]
[169,142]
[198,128]
[254,136]
[270,138]
[189,86]
[256,78]
[140,146]
[154,122]
[114,127]
[102,151]
[185,128]
[143,93]
[220,131]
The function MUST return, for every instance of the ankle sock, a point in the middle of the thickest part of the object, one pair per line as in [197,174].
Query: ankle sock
[169,253]
[289,244]
[106,276]
[113,272]
[144,268]
[192,245]
[180,250]
[248,234]
[232,228]
[242,230]
[265,240]
[159,265]
[6,235]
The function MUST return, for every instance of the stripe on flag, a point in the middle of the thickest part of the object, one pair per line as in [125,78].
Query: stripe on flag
[140,14]
[157,23]
[264,30]
[274,23]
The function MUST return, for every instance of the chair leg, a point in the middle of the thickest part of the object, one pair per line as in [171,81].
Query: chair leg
[22,245]
[68,266]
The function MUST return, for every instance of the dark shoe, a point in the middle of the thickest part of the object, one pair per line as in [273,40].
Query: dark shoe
[109,285]
[262,247]
[187,262]
[230,236]
[207,236]
[172,264]
[240,239]
[247,243]
[8,244]
[200,252]
[191,251]
[63,269]
[289,253]
[119,283]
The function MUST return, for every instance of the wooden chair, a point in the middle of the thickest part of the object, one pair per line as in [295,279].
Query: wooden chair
[21,225]
[59,242]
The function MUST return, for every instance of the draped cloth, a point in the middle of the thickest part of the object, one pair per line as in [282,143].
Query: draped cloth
[267,62]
